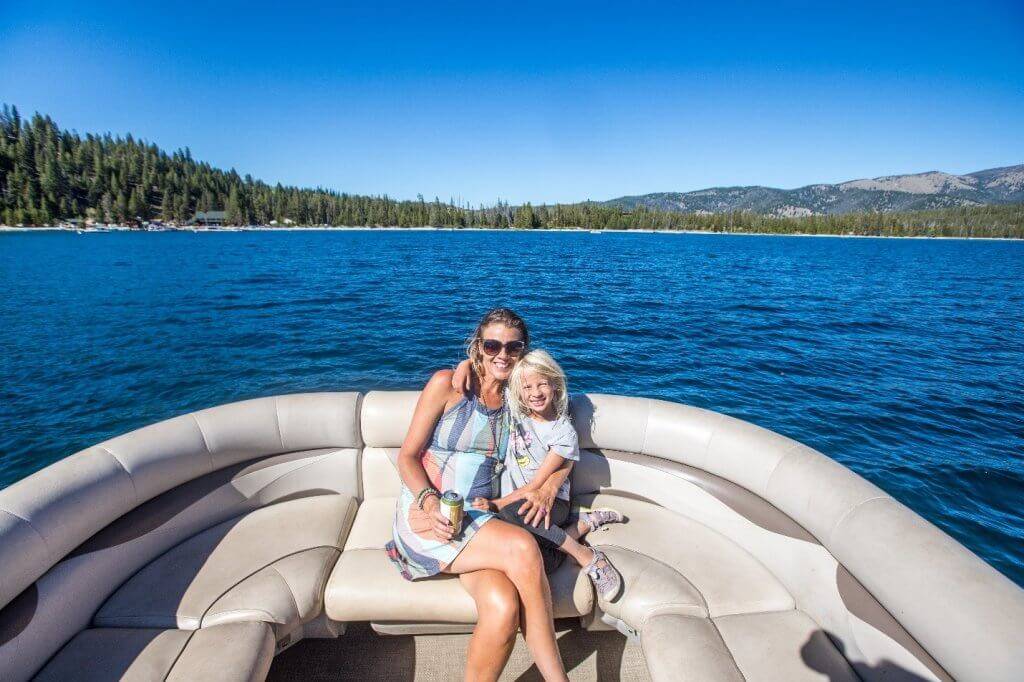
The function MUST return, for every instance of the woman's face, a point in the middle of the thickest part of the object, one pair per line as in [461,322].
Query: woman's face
[500,366]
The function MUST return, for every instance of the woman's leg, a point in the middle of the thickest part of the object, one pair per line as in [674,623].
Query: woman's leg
[503,547]
[555,536]
[497,603]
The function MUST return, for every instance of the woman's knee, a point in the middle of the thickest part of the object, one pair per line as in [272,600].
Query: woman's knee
[522,555]
[498,607]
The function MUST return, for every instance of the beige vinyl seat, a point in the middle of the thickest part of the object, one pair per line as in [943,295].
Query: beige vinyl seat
[199,547]
[269,565]
[781,645]
[364,586]
[234,652]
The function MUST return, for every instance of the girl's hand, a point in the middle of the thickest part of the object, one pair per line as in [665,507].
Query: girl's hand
[536,506]
[483,504]
[462,378]
[442,527]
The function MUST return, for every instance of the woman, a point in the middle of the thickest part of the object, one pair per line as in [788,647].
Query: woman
[456,442]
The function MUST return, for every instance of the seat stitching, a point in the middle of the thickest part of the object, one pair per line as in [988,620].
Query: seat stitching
[731,655]
[206,443]
[188,641]
[252,610]
[288,586]
[771,474]
[314,460]
[711,438]
[277,421]
[325,573]
[647,426]
[852,509]
[135,491]
[35,530]
[246,577]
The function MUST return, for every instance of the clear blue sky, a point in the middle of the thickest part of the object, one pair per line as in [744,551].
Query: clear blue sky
[545,101]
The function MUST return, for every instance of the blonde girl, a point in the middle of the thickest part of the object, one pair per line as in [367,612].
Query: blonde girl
[543,446]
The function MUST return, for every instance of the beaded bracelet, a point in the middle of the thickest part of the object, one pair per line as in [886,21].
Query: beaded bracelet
[421,497]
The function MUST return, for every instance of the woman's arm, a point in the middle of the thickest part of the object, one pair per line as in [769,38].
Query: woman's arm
[429,408]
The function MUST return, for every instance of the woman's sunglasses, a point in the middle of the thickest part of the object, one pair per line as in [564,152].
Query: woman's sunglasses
[493,347]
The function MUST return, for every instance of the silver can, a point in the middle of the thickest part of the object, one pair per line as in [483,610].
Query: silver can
[452,506]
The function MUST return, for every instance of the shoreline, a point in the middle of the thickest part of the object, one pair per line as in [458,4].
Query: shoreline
[327,228]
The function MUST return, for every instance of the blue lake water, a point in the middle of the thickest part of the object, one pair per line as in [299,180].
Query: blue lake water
[902,359]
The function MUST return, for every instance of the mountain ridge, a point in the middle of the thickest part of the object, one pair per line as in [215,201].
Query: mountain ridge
[909,192]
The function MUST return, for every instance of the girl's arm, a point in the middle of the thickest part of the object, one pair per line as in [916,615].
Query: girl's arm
[462,377]
[429,409]
[540,493]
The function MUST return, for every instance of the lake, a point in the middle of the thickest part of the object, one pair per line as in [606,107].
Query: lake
[902,359]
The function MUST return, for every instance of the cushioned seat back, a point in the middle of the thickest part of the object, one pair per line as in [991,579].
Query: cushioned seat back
[108,488]
[965,613]
[46,515]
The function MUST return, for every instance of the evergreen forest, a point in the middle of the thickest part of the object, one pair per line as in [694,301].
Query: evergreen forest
[49,176]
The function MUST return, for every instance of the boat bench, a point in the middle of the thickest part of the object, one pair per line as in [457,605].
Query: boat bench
[672,567]
[365,586]
[233,652]
[199,547]
[237,590]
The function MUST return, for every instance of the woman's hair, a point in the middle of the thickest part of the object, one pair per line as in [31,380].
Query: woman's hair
[540,362]
[496,316]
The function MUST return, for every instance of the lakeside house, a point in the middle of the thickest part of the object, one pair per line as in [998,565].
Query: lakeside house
[208,218]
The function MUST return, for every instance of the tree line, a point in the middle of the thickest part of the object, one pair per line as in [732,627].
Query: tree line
[49,175]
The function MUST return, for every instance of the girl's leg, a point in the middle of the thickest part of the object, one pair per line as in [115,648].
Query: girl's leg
[555,534]
[590,520]
[503,547]
[577,530]
[582,554]
[497,603]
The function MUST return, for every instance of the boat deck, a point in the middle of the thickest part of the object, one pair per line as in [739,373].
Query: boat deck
[362,654]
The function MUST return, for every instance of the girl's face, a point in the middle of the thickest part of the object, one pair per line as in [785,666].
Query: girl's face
[538,393]
[500,366]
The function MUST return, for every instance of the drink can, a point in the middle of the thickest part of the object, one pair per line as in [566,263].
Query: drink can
[452,508]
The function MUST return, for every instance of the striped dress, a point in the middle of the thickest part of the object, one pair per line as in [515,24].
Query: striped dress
[466,454]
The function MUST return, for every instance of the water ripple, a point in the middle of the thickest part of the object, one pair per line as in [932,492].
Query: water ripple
[903,360]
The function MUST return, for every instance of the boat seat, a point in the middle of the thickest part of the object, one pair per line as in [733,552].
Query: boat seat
[671,563]
[784,646]
[233,652]
[365,586]
[268,565]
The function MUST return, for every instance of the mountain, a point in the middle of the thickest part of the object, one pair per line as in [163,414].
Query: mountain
[929,190]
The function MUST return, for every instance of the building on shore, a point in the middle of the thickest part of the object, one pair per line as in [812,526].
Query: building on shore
[208,218]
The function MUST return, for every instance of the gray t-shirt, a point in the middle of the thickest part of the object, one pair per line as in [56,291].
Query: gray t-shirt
[530,444]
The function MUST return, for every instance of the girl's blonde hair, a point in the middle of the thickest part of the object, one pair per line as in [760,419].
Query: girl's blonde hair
[542,363]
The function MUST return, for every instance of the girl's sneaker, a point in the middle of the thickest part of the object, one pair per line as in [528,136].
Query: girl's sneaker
[595,518]
[606,579]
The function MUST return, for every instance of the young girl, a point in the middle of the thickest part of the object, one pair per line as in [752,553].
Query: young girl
[542,449]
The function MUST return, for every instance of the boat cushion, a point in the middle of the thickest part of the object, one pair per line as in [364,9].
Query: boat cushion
[649,587]
[235,652]
[365,586]
[270,564]
[727,577]
[784,645]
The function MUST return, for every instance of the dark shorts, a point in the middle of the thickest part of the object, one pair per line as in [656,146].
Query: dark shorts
[549,539]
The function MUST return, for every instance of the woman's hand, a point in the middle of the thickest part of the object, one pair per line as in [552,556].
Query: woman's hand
[442,527]
[536,506]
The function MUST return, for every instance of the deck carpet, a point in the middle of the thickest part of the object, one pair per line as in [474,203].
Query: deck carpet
[362,654]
